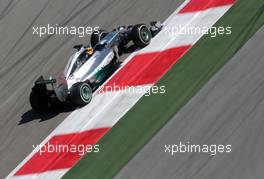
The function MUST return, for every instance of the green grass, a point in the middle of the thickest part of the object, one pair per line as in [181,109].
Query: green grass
[182,82]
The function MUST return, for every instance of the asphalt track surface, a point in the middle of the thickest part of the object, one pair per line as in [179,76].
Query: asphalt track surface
[23,57]
[229,109]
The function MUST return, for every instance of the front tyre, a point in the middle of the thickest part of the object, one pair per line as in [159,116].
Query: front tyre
[141,35]
[81,93]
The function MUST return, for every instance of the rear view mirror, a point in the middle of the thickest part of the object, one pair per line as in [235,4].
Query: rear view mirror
[78,47]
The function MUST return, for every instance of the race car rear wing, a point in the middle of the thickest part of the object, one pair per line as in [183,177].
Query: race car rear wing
[41,81]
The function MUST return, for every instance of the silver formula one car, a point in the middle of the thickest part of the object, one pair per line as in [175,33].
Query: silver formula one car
[90,66]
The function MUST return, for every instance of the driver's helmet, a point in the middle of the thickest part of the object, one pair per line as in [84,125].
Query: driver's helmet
[89,51]
[120,28]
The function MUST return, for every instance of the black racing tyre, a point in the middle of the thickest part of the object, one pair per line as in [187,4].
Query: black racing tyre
[97,36]
[81,93]
[39,99]
[141,35]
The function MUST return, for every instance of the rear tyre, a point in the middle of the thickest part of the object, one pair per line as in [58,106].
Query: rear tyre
[141,35]
[38,98]
[81,93]
[97,36]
